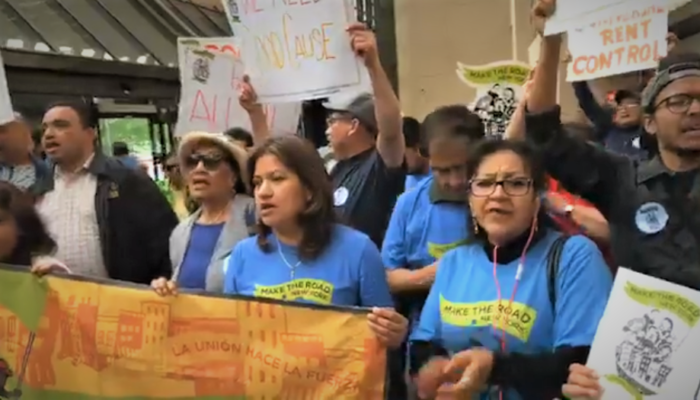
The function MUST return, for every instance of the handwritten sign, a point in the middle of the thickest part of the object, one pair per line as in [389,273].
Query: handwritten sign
[6,113]
[572,14]
[646,343]
[78,339]
[233,16]
[298,49]
[624,39]
[211,72]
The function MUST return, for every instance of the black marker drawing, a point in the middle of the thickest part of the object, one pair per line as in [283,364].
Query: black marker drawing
[644,358]
[201,70]
[496,108]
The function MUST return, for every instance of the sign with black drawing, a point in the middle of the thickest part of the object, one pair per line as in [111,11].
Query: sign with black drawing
[645,343]
[498,89]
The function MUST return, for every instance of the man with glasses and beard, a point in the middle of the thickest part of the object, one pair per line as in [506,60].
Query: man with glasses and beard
[652,207]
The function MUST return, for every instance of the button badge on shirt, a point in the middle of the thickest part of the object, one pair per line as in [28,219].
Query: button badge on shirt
[651,218]
[340,196]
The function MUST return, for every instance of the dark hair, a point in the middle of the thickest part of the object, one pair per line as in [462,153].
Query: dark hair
[86,112]
[531,160]
[456,121]
[120,149]
[33,238]
[411,132]
[240,134]
[318,219]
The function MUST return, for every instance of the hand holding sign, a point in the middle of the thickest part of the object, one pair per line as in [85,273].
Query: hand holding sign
[583,383]
[364,44]
[542,10]
[248,98]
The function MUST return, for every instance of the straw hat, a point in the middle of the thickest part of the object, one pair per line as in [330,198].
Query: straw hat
[191,140]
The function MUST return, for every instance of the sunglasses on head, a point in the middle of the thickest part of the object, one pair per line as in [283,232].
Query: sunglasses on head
[211,162]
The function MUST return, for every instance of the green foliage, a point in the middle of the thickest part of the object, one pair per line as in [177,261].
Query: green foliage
[132,131]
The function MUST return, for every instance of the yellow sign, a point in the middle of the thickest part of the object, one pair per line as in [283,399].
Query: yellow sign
[504,73]
[314,290]
[72,339]
[518,318]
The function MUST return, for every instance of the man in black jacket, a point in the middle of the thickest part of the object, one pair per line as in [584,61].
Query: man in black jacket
[653,207]
[109,221]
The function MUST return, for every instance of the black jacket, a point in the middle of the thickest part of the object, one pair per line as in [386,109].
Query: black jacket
[654,213]
[134,219]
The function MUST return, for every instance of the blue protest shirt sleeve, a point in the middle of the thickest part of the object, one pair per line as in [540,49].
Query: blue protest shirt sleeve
[584,283]
[394,246]
[428,327]
[374,288]
[231,267]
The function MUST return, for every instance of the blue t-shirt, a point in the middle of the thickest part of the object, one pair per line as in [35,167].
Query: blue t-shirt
[193,271]
[413,180]
[462,306]
[348,273]
[421,231]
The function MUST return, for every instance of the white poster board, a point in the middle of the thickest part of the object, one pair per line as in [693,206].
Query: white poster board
[211,72]
[624,38]
[571,14]
[6,110]
[286,42]
[648,339]
[498,90]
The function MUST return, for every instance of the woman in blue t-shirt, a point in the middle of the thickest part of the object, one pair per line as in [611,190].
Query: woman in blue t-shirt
[491,320]
[300,253]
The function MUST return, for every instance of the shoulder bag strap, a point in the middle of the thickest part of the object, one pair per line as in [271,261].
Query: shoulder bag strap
[553,260]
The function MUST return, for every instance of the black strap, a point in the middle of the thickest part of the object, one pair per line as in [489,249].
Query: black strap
[553,260]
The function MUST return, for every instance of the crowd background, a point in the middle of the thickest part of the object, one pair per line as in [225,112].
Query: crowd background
[486,261]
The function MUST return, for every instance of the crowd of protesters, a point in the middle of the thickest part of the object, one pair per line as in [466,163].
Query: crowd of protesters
[486,262]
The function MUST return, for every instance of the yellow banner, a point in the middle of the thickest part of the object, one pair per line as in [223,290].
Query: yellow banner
[64,338]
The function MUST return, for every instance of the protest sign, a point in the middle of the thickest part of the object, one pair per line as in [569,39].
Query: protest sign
[498,89]
[647,340]
[286,42]
[6,113]
[211,72]
[73,338]
[233,16]
[572,14]
[625,38]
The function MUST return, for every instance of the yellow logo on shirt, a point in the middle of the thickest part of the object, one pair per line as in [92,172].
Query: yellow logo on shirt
[438,250]
[314,290]
[519,317]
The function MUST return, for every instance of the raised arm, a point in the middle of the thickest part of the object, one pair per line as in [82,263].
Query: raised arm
[387,109]
[599,115]
[582,168]
[258,120]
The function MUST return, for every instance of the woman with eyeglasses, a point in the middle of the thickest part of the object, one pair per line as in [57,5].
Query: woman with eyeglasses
[498,320]
[214,169]
[301,253]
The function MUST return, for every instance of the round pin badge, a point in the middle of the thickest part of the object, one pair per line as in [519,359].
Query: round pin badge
[340,196]
[651,218]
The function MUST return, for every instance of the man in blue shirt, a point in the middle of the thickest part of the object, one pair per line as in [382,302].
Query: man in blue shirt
[431,218]
[120,151]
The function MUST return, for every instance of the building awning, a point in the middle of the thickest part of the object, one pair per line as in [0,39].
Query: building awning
[132,31]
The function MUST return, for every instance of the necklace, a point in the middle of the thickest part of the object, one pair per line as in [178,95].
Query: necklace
[292,268]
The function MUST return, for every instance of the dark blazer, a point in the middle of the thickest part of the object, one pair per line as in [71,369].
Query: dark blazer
[135,221]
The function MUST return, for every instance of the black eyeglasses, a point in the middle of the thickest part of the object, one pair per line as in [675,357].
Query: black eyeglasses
[512,187]
[211,162]
[679,103]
